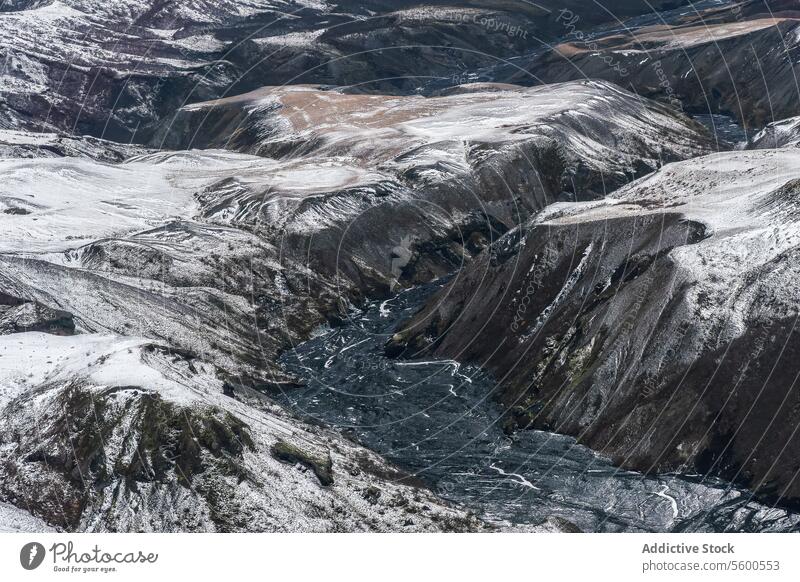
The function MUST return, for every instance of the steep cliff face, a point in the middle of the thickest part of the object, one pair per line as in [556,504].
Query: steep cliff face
[656,326]
[740,59]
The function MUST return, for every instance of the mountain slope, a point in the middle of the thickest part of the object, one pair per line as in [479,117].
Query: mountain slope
[656,326]
[132,436]
[170,244]
[779,134]
[117,69]
[740,59]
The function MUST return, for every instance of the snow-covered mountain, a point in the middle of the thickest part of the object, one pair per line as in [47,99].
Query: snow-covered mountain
[168,244]
[110,433]
[779,134]
[116,69]
[187,189]
[656,325]
[168,283]
[740,58]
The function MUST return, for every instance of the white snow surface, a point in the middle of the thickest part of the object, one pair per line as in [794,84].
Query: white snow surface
[15,520]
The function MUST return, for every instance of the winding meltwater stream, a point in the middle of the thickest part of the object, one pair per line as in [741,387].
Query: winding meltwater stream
[437,420]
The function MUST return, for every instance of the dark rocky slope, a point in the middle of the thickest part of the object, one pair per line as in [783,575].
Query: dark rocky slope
[739,59]
[657,326]
[109,433]
[19,316]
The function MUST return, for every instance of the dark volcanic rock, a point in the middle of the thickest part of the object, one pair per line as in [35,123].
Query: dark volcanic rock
[739,60]
[291,454]
[19,316]
[656,326]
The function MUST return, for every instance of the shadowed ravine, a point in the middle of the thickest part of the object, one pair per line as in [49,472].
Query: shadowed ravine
[437,420]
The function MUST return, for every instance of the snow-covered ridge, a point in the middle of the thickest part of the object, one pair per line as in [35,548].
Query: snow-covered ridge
[26,144]
[397,134]
[48,204]
[784,133]
[118,246]
[701,61]
[15,520]
[674,342]
[107,68]
[691,36]
[120,475]
[119,69]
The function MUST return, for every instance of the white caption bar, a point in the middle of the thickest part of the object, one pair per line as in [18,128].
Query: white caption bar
[371,557]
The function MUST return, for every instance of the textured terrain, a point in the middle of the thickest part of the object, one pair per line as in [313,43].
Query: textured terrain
[105,433]
[740,59]
[657,325]
[779,134]
[120,69]
[167,284]
[189,190]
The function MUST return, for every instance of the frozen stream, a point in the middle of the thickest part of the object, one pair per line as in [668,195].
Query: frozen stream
[437,420]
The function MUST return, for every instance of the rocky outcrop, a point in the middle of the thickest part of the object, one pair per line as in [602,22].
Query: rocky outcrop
[19,316]
[657,326]
[168,245]
[780,134]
